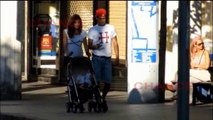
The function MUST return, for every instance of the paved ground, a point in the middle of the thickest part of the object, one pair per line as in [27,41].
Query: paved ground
[42,101]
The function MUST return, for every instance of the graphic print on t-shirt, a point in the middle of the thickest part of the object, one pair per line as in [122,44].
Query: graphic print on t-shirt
[103,36]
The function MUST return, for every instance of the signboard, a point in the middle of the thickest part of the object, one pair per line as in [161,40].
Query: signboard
[142,51]
[46,45]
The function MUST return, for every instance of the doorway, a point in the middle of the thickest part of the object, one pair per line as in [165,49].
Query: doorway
[44,39]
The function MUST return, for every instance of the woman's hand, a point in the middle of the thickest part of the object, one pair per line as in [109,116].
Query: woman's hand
[88,54]
[193,65]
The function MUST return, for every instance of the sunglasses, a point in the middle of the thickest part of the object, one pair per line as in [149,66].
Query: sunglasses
[199,44]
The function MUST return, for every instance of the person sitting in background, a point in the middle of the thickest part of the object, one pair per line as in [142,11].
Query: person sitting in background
[199,61]
[199,64]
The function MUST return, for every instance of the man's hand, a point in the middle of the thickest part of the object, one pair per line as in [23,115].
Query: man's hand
[193,66]
[97,46]
[116,62]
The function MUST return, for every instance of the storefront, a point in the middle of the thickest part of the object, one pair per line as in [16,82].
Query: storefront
[45,53]
[46,22]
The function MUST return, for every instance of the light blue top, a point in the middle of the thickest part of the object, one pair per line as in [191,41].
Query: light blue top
[74,44]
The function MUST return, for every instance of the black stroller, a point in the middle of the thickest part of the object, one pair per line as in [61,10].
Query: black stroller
[83,90]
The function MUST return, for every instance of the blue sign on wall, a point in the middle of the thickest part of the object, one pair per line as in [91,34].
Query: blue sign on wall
[144,31]
[145,56]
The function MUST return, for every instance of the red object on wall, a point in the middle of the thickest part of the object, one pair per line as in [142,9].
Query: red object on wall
[46,43]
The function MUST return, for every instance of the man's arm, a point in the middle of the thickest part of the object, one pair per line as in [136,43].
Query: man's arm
[116,49]
[91,46]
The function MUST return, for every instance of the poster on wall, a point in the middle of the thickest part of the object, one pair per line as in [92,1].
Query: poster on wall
[46,45]
[142,51]
[142,20]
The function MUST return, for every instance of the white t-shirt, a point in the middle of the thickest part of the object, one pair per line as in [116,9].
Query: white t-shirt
[74,43]
[102,34]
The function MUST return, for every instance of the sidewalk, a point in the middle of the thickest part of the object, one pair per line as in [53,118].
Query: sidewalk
[42,101]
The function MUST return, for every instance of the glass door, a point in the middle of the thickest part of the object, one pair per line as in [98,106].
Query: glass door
[45,36]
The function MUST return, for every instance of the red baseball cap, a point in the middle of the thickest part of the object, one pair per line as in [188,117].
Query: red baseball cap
[100,12]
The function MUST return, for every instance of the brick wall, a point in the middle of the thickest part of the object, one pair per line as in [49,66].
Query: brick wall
[84,9]
[117,17]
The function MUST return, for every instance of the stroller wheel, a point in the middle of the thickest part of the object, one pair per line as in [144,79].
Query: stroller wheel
[81,108]
[90,106]
[104,106]
[74,108]
[68,106]
[97,107]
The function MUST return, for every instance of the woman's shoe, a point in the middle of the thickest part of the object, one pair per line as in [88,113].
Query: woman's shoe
[170,88]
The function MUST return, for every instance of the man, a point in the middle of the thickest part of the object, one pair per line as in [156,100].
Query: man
[100,40]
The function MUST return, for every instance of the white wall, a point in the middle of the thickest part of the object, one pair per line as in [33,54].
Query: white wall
[171,56]
[10,52]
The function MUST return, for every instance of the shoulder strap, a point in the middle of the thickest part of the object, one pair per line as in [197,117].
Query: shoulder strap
[201,57]
[72,42]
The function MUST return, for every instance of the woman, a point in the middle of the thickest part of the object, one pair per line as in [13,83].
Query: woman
[73,37]
[199,64]
[199,61]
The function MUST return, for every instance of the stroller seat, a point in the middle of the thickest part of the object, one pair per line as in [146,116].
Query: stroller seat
[82,86]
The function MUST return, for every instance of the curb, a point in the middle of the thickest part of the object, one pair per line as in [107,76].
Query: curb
[12,117]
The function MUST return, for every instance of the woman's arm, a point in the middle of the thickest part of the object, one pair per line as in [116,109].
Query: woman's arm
[86,47]
[65,43]
[206,64]
[192,65]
